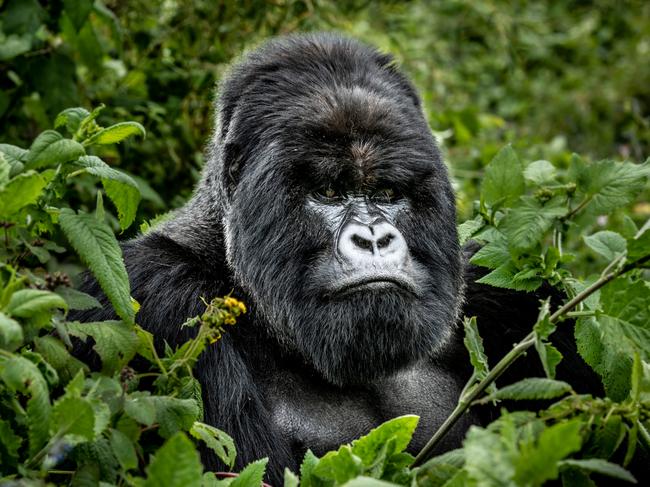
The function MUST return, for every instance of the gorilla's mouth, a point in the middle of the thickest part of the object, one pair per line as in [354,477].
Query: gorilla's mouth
[375,282]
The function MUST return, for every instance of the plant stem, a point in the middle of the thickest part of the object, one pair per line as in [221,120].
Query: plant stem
[473,392]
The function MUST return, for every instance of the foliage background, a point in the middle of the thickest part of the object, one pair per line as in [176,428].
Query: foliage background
[551,77]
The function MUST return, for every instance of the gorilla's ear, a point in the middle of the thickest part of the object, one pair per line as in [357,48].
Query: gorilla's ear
[232,166]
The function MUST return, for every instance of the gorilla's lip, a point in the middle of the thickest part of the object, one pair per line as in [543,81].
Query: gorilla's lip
[374,282]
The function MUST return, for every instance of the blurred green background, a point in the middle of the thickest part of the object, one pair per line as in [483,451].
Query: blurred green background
[552,77]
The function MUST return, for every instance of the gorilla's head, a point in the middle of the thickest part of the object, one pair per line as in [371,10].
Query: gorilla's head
[338,214]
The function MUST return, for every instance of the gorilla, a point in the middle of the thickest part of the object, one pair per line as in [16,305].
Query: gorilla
[326,207]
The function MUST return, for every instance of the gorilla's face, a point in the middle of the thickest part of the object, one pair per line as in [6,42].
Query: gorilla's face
[342,229]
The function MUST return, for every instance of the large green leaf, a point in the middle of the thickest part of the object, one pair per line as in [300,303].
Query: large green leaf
[503,182]
[599,466]
[26,303]
[50,149]
[73,417]
[116,133]
[71,118]
[11,333]
[176,464]
[22,375]
[252,475]
[218,441]
[608,244]
[20,191]
[399,429]
[115,342]
[96,245]
[120,188]
[525,225]
[532,388]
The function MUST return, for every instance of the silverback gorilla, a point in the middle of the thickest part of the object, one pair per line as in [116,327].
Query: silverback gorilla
[325,205]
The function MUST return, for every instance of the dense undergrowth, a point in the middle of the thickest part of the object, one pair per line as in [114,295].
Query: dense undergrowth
[63,422]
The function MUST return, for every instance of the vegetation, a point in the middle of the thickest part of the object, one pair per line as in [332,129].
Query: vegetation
[512,90]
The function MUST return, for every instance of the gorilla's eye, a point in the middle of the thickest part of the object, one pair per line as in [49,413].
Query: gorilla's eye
[328,194]
[386,195]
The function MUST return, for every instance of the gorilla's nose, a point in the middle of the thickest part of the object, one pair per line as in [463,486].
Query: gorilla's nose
[378,242]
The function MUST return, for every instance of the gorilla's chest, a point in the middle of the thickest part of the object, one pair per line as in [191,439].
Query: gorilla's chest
[310,414]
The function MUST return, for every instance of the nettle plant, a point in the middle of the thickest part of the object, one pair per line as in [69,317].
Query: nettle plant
[61,422]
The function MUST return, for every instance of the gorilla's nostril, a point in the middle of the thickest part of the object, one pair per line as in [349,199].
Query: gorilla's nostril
[361,242]
[385,241]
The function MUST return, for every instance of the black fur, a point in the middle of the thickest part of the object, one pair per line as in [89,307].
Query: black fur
[300,371]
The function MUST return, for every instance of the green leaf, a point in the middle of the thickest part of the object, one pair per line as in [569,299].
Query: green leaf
[367,482]
[123,450]
[140,406]
[5,170]
[340,465]
[71,118]
[639,246]
[492,255]
[115,342]
[218,441]
[610,184]
[9,444]
[307,466]
[116,133]
[120,188]
[174,414]
[540,172]
[600,466]
[608,244]
[176,464]
[15,156]
[22,375]
[11,333]
[73,417]
[467,229]
[532,388]
[290,478]
[550,357]
[76,299]
[538,462]
[505,276]
[489,458]
[503,182]
[50,149]
[22,190]
[252,475]
[29,302]
[58,356]
[78,11]
[96,245]
[474,344]
[400,429]
[525,225]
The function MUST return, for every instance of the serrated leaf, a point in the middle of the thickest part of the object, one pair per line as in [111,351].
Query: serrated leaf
[58,356]
[50,149]
[525,225]
[218,441]
[176,464]
[492,255]
[504,276]
[22,190]
[533,388]
[474,345]
[140,406]
[467,229]
[120,188]
[29,302]
[11,333]
[638,247]
[96,245]
[610,184]
[73,416]
[116,133]
[400,429]
[340,465]
[608,244]
[538,462]
[173,414]
[123,450]
[252,475]
[307,466]
[22,375]
[76,299]
[503,182]
[10,442]
[600,466]
[115,342]
[540,172]
[71,118]
[14,156]
[290,478]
